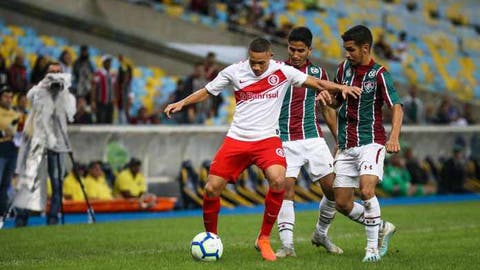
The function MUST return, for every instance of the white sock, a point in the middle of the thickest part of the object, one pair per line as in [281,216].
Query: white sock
[326,215]
[357,213]
[372,221]
[286,222]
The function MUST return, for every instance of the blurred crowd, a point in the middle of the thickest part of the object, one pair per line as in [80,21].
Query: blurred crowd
[407,175]
[104,94]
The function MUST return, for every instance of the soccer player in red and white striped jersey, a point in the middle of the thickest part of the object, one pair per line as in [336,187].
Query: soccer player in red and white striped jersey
[260,84]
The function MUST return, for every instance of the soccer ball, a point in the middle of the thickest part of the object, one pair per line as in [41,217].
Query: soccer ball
[206,246]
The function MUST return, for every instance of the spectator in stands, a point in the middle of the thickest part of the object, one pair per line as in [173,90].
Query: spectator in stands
[3,72]
[39,69]
[144,118]
[284,30]
[22,109]
[446,111]
[65,60]
[83,115]
[124,80]
[396,179]
[17,75]
[475,155]
[382,49]
[402,47]
[199,6]
[82,74]
[420,176]
[468,113]
[71,187]
[103,99]
[254,13]
[96,185]
[453,173]
[269,24]
[186,116]
[233,14]
[413,107]
[8,149]
[130,182]
[211,69]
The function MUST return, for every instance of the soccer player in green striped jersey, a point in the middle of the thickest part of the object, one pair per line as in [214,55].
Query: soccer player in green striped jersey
[362,139]
[304,145]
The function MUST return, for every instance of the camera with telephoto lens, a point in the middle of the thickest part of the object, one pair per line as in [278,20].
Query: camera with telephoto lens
[56,82]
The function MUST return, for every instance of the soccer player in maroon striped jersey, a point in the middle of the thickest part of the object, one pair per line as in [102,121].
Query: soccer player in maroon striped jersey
[260,84]
[304,145]
[362,139]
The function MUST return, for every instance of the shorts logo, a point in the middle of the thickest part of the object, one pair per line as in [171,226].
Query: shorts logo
[273,79]
[369,167]
[280,152]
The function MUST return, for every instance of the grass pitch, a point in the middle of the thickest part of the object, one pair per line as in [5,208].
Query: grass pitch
[435,236]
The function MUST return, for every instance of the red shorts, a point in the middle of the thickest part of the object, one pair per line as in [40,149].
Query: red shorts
[234,156]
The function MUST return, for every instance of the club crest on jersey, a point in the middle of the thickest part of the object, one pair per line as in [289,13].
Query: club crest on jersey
[280,152]
[273,79]
[314,70]
[369,86]
[372,74]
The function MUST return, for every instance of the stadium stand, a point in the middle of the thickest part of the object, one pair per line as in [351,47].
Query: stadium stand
[442,54]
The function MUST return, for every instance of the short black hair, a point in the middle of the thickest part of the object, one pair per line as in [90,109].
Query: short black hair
[360,34]
[302,34]
[5,89]
[259,45]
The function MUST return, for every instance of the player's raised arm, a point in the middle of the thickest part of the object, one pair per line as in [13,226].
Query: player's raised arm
[195,97]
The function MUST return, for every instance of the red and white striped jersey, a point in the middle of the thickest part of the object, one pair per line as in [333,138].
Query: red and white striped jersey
[258,98]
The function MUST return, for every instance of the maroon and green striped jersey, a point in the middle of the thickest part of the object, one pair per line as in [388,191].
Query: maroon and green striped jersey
[299,115]
[360,120]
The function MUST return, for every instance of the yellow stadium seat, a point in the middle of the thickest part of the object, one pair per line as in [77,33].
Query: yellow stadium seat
[175,11]
[16,30]
[47,40]
[137,72]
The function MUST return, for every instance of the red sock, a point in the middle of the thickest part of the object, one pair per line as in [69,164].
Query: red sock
[273,202]
[211,207]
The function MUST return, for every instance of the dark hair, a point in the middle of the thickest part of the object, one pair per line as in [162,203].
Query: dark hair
[360,34]
[53,63]
[259,45]
[5,89]
[302,34]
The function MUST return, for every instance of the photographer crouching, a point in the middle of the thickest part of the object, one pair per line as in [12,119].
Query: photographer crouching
[44,146]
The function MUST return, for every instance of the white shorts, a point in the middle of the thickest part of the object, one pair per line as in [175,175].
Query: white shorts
[313,153]
[352,162]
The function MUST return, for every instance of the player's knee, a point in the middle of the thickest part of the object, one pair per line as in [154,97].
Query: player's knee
[277,182]
[343,207]
[367,194]
[212,190]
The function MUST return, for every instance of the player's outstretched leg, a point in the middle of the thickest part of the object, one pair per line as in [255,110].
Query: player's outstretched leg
[387,230]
